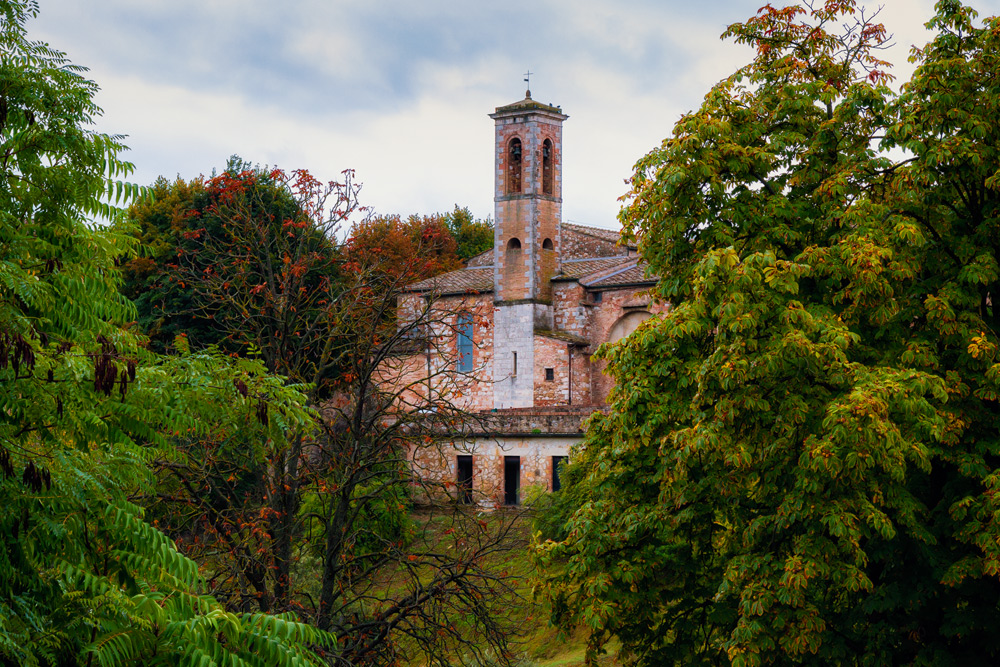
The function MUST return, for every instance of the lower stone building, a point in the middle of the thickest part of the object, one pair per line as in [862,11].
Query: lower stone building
[512,334]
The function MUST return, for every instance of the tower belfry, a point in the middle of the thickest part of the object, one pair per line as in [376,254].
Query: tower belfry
[528,213]
[527,198]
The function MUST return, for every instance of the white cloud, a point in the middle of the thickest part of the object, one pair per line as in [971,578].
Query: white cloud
[400,90]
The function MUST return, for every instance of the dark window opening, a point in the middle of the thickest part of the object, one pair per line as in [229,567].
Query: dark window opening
[547,167]
[465,339]
[464,479]
[598,296]
[511,479]
[514,372]
[547,244]
[557,463]
[550,374]
[514,166]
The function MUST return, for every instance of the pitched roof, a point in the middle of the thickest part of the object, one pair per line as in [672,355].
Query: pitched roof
[590,271]
[565,336]
[609,235]
[484,258]
[574,269]
[630,274]
[462,281]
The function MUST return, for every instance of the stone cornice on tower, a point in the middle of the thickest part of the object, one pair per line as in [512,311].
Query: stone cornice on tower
[528,105]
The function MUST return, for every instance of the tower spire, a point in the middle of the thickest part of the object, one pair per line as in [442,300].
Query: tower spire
[527,80]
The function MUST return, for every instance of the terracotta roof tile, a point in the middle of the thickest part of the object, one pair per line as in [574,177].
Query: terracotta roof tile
[609,235]
[576,269]
[627,276]
[599,271]
[480,260]
[463,281]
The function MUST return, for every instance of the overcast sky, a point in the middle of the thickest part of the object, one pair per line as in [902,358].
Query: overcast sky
[399,90]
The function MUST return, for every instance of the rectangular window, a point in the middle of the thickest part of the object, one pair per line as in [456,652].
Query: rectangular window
[550,374]
[514,372]
[557,462]
[465,332]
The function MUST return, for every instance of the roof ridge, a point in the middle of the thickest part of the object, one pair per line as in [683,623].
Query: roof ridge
[593,259]
[636,274]
[583,228]
[468,260]
[577,269]
[440,281]
[604,274]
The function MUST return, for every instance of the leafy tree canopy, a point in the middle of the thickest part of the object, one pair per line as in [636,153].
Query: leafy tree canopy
[802,457]
[389,245]
[471,236]
[227,226]
[84,579]
[315,522]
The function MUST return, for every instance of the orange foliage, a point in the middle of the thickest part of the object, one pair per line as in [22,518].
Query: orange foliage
[403,250]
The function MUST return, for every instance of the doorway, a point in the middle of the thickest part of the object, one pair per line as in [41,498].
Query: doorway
[557,462]
[511,479]
[464,480]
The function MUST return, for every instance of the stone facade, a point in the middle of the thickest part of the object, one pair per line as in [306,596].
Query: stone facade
[558,291]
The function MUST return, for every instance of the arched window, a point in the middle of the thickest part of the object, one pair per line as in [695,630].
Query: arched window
[514,166]
[547,244]
[547,159]
[464,327]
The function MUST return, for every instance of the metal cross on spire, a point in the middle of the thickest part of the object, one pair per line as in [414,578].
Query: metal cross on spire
[527,80]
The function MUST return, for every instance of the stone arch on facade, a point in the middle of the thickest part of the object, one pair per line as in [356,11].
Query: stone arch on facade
[626,324]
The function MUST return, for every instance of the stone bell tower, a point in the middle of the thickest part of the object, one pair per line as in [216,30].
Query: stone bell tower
[528,212]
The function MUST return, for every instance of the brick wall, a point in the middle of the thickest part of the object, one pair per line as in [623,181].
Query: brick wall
[500,330]
[528,215]
[581,379]
[535,464]
[573,311]
[552,354]
[433,364]
[512,274]
[605,315]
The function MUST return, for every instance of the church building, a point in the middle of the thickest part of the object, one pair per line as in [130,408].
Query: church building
[521,322]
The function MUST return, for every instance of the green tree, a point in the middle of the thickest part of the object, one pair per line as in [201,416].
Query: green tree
[318,521]
[84,579]
[186,228]
[801,460]
[471,236]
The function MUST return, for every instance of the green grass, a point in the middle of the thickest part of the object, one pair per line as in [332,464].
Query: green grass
[537,643]
[533,640]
